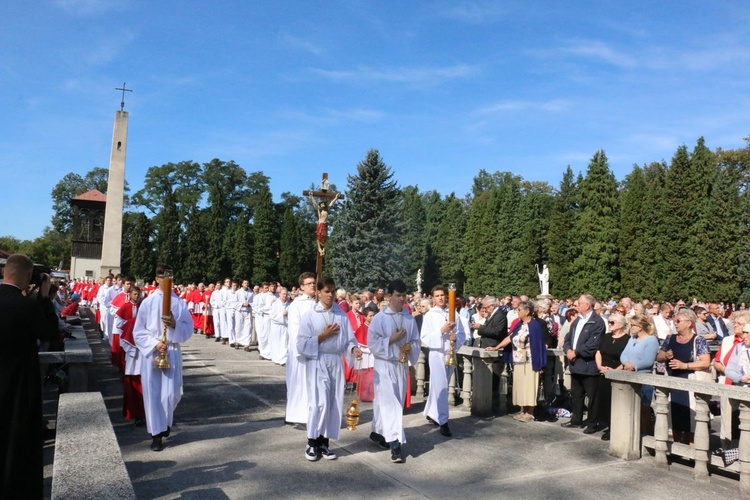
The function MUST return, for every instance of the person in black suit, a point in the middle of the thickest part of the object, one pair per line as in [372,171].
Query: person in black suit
[580,346]
[23,321]
[715,321]
[495,327]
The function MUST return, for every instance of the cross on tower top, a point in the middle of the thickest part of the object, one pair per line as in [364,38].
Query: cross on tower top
[124,89]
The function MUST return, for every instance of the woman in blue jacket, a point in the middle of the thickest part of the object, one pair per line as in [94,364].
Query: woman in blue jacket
[529,358]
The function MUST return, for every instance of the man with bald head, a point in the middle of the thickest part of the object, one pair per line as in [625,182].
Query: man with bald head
[24,318]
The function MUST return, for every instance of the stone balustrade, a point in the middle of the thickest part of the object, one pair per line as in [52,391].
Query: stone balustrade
[88,462]
[625,433]
[77,356]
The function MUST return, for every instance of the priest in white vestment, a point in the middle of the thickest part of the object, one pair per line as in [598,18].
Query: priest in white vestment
[162,388]
[296,381]
[437,332]
[393,338]
[324,335]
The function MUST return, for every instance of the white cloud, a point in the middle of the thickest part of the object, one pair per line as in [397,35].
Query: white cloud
[298,43]
[87,8]
[474,12]
[553,106]
[400,75]
[594,49]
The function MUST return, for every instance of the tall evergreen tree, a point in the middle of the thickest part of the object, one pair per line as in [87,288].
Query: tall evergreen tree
[631,235]
[532,249]
[168,234]
[413,223]
[264,251]
[194,267]
[289,248]
[241,246]
[597,267]
[450,251]
[563,249]
[434,213]
[366,233]
[140,247]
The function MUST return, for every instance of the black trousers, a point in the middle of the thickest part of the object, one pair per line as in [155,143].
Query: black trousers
[580,387]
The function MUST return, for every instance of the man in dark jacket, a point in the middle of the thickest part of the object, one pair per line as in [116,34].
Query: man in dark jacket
[581,344]
[23,321]
[495,328]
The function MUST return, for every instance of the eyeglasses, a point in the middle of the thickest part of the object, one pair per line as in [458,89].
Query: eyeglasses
[308,284]
[612,322]
[678,321]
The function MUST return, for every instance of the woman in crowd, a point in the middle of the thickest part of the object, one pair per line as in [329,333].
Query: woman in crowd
[608,358]
[701,327]
[727,351]
[685,354]
[571,314]
[738,369]
[529,357]
[639,356]
[478,318]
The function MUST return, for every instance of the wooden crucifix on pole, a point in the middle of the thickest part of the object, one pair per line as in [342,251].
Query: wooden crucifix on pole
[323,199]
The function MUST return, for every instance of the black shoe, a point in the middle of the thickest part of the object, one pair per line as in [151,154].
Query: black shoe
[379,440]
[605,436]
[231,345]
[445,430]
[572,425]
[140,422]
[218,339]
[396,457]
[432,421]
[326,453]
[311,453]
[156,444]
[591,430]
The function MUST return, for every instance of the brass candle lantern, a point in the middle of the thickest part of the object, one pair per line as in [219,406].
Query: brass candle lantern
[451,360]
[166,312]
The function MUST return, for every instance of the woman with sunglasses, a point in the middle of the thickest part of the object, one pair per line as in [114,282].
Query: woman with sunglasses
[608,358]
[685,354]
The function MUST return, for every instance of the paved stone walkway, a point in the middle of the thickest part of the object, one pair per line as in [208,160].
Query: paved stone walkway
[229,441]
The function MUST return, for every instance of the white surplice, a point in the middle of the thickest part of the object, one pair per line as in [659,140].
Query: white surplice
[296,385]
[324,368]
[390,375]
[278,337]
[264,331]
[162,389]
[438,343]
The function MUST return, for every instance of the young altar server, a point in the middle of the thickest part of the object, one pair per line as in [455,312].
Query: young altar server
[393,338]
[296,385]
[132,393]
[324,335]
[437,333]
[162,388]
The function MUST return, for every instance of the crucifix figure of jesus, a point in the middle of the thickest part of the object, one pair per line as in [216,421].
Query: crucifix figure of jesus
[323,199]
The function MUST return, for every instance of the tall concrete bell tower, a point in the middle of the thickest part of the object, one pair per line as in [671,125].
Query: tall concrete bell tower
[112,238]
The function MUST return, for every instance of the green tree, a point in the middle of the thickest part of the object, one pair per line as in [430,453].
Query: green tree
[597,267]
[434,213]
[561,244]
[168,234]
[412,232]
[193,268]
[631,235]
[264,250]
[368,254]
[241,250]
[532,249]
[140,247]
[450,233]
[289,258]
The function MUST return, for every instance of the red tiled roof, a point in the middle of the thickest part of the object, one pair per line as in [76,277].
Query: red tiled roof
[93,195]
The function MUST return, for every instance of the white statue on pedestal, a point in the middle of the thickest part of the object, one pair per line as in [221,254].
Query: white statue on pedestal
[419,280]
[543,279]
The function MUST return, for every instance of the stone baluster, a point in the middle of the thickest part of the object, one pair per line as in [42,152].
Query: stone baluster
[419,396]
[503,391]
[452,389]
[661,429]
[700,471]
[625,427]
[467,383]
[744,450]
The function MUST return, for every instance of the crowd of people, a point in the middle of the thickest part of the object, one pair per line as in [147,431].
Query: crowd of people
[321,333]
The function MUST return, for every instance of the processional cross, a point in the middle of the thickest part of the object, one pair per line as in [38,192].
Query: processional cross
[323,199]
[122,103]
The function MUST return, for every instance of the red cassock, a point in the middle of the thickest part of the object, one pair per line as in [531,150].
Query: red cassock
[132,393]
[197,305]
[117,358]
[208,320]
[357,320]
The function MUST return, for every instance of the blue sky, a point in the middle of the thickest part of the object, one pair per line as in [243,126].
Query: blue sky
[441,89]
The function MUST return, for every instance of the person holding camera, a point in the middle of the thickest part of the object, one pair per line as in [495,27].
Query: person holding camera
[27,315]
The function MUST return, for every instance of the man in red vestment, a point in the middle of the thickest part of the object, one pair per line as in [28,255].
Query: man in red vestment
[197,305]
[118,301]
[208,313]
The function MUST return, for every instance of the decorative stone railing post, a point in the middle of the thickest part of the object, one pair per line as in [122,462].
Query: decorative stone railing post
[419,396]
[744,452]
[467,382]
[626,413]
[700,471]
[661,428]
